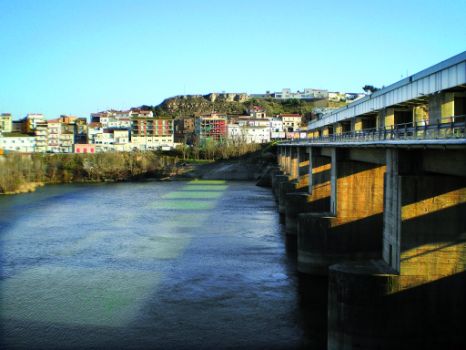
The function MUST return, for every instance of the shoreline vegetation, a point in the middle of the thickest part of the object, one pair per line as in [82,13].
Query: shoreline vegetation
[21,173]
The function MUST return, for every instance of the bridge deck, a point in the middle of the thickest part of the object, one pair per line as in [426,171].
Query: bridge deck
[450,143]
[401,135]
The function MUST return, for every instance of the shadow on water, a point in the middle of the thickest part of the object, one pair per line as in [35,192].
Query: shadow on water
[313,294]
[291,248]
[312,299]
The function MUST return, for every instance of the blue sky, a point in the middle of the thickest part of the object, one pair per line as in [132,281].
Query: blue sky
[77,57]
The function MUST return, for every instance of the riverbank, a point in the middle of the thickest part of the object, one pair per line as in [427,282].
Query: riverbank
[249,167]
[24,173]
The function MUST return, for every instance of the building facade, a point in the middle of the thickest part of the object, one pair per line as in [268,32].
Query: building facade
[291,122]
[84,148]
[18,143]
[152,133]
[6,122]
[213,127]
[248,133]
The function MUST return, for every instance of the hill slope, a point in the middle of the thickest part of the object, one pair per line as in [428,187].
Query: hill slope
[189,105]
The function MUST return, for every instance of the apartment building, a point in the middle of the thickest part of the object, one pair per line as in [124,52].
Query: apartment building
[276,129]
[41,136]
[212,127]
[18,143]
[248,133]
[148,133]
[60,136]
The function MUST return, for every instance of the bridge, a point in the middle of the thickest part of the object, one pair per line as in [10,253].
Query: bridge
[376,198]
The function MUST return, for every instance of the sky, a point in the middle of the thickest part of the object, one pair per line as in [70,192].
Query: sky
[82,56]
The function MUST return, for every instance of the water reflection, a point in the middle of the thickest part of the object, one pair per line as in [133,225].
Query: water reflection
[179,265]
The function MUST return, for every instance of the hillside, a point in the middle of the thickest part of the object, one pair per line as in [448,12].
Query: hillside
[230,103]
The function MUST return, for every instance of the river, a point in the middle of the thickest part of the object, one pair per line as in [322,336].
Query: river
[200,264]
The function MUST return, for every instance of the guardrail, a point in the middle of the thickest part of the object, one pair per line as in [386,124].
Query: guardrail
[454,128]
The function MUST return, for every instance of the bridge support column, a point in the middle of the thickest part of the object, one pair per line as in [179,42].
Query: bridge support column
[280,156]
[296,199]
[285,159]
[289,185]
[276,180]
[352,228]
[317,202]
[414,296]
[285,187]
[294,164]
[290,161]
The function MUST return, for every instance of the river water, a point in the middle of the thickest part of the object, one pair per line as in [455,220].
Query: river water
[187,265]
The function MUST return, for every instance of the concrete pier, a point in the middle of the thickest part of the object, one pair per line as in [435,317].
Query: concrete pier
[354,231]
[419,283]
[284,188]
[387,228]
[276,179]
[296,200]
[295,204]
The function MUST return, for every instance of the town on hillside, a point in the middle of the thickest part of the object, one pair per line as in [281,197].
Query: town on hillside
[139,129]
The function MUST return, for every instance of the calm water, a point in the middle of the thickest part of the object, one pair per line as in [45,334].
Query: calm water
[152,265]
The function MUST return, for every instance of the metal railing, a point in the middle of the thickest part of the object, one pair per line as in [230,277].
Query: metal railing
[446,128]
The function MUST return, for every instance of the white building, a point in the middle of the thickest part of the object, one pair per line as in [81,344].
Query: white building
[253,122]
[53,135]
[121,136]
[248,133]
[114,122]
[234,132]
[93,129]
[276,129]
[307,94]
[66,142]
[18,143]
[120,123]
[152,142]
[291,122]
[41,135]
[104,138]
[104,148]
[32,120]
[140,113]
